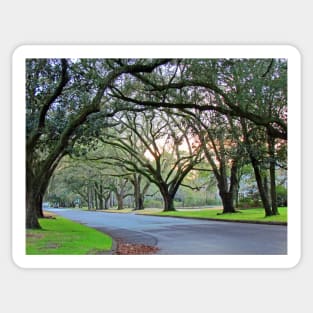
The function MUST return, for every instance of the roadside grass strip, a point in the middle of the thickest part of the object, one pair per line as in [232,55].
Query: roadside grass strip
[61,236]
[246,215]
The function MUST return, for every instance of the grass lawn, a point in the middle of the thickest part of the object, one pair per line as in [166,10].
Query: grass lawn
[253,215]
[61,236]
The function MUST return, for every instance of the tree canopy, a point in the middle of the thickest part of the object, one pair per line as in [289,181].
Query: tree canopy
[152,121]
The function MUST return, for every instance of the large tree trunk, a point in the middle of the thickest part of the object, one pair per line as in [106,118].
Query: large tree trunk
[228,202]
[107,201]
[273,190]
[136,183]
[101,202]
[96,199]
[138,200]
[228,196]
[99,195]
[120,202]
[262,190]
[32,209]
[234,183]
[220,173]
[112,200]
[168,203]
[256,169]
[138,194]
[168,199]
[33,201]
[271,149]
[39,206]
[90,198]
[36,187]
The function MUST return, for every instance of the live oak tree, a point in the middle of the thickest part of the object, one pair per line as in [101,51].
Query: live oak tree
[222,149]
[141,186]
[104,157]
[60,96]
[76,182]
[261,87]
[262,152]
[266,91]
[64,96]
[151,145]
[254,90]
[94,182]
[112,158]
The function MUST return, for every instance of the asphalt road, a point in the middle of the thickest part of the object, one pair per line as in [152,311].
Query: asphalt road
[186,236]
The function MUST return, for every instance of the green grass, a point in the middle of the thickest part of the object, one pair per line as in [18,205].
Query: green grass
[252,215]
[61,236]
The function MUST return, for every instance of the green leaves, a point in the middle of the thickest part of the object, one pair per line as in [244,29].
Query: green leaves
[137,114]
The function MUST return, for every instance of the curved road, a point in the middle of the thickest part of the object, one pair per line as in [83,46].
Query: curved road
[185,236]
